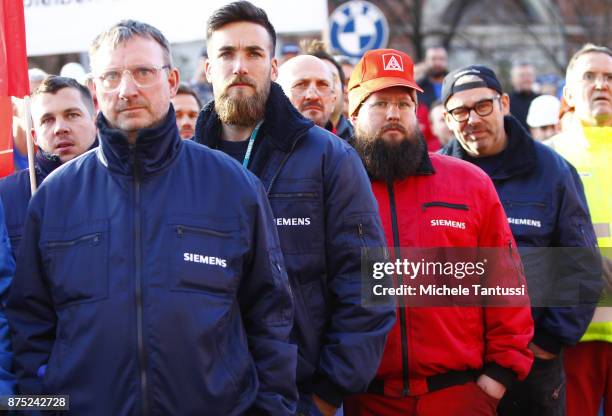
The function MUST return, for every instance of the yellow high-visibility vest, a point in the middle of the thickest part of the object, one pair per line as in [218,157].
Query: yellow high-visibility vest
[589,149]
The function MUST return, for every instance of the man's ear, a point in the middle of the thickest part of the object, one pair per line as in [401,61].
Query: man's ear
[274,71]
[505,103]
[353,117]
[207,70]
[449,120]
[174,79]
[568,94]
[34,135]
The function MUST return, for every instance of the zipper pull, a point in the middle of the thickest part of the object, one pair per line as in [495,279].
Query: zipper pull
[179,231]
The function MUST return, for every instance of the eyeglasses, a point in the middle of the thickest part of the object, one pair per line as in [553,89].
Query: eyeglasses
[382,105]
[591,78]
[483,108]
[320,88]
[144,76]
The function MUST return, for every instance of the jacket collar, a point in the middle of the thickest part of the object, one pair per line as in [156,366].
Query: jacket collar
[45,163]
[283,125]
[518,158]
[155,148]
[344,129]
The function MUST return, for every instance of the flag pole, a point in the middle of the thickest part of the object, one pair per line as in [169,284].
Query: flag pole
[30,142]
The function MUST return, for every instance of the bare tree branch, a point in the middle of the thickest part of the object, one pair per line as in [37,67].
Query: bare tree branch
[458,14]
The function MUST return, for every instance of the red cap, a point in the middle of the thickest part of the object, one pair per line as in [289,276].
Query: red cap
[379,69]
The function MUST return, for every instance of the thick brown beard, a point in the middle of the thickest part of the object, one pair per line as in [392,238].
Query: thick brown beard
[242,111]
[385,161]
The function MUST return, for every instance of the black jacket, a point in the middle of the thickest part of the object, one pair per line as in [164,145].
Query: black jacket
[519,106]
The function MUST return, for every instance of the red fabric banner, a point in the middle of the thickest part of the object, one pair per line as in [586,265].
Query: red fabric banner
[13,74]
[6,137]
[13,57]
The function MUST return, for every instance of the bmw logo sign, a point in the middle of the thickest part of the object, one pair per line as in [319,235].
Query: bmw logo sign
[356,27]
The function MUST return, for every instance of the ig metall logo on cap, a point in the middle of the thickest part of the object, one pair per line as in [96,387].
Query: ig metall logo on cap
[357,27]
[392,62]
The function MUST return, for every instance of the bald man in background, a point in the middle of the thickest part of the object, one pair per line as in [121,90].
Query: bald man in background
[309,84]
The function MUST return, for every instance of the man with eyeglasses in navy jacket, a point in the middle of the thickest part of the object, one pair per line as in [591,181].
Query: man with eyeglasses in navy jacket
[546,208]
[150,278]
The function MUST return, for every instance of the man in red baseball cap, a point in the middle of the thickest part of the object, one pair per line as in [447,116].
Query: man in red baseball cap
[442,359]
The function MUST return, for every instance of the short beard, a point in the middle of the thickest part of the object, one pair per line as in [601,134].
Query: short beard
[242,111]
[390,162]
[436,73]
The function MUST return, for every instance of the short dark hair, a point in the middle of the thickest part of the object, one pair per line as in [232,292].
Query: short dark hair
[587,48]
[319,49]
[53,83]
[187,90]
[240,11]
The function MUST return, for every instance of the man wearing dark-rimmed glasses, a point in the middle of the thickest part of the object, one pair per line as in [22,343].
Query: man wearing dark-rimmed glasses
[545,205]
[150,278]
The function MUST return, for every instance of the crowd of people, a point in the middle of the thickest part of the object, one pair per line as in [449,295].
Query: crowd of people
[200,249]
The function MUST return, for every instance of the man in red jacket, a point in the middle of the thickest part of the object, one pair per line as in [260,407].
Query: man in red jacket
[438,360]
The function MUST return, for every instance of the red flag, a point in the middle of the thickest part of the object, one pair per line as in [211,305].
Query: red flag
[6,137]
[13,58]
[13,74]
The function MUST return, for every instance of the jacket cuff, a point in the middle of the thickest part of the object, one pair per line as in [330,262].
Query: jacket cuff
[547,341]
[500,374]
[328,391]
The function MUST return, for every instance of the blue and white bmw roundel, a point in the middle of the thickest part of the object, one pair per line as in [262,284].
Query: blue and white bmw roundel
[356,27]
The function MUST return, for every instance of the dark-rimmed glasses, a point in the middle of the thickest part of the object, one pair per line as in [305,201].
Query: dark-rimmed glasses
[483,108]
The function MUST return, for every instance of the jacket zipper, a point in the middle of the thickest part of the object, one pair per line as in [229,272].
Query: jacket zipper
[516,267]
[138,289]
[402,316]
[463,207]
[584,237]
[281,165]
[181,229]
[361,235]
[63,244]
[293,195]
[525,204]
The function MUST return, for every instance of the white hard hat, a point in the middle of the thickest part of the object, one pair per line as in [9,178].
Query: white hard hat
[544,111]
[73,70]
[36,74]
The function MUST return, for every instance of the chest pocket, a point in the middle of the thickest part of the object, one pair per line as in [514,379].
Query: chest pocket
[531,222]
[450,223]
[76,260]
[298,217]
[206,255]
